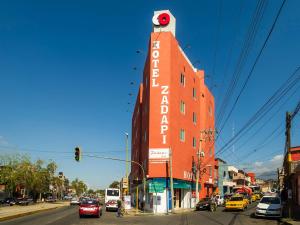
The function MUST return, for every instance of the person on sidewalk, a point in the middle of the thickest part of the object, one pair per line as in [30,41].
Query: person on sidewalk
[119,212]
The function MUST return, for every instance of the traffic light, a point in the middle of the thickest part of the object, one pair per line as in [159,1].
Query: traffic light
[77,154]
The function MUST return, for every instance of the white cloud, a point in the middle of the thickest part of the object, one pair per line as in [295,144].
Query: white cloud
[268,166]
[277,158]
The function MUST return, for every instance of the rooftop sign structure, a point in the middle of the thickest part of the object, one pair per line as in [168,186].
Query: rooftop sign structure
[164,21]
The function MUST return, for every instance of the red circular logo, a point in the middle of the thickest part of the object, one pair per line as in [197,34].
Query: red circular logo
[164,19]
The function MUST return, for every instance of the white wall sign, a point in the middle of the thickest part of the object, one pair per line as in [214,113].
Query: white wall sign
[158,153]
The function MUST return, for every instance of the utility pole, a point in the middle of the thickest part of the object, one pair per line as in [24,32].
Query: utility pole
[288,147]
[126,154]
[171,179]
[198,168]
[137,195]
[127,161]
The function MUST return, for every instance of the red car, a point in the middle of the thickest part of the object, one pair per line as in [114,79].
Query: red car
[90,207]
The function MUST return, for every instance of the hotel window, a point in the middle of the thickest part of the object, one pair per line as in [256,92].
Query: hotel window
[210,171]
[210,152]
[194,93]
[182,107]
[182,135]
[194,142]
[182,79]
[194,118]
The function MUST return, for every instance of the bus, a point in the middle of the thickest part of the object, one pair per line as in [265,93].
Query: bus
[112,195]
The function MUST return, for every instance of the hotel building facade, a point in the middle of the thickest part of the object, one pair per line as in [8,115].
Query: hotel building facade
[173,116]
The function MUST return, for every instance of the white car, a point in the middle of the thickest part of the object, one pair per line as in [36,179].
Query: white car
[219,200]
[269,206]
[74,201]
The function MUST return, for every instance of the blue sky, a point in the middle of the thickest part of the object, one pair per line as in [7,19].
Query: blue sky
[66,68]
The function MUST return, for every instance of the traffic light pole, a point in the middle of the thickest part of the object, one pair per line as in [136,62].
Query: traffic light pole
[123,160]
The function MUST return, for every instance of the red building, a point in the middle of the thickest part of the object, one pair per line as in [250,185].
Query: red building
[252,177]
[174,111]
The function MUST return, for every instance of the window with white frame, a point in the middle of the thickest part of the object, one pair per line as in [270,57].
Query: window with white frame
[194,93]
[182,107]
[194,142]
[194,118]
[182,135]
[182,79]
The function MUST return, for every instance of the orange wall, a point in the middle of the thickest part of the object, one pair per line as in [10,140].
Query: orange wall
[171,64]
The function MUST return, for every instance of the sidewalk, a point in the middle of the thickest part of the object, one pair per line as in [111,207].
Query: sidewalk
[133,212]
[10,212]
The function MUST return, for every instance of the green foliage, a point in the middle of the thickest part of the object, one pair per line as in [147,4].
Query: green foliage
[115,184]
[79,186]
[17,171]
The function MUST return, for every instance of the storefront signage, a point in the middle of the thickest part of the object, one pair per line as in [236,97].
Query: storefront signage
[158,153]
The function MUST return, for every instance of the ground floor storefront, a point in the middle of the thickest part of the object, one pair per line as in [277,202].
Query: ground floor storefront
[158,194]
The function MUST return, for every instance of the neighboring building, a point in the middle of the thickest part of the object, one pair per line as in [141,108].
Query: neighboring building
[252,177]
[291,173]
[225,177]
[241,178]
[173,105]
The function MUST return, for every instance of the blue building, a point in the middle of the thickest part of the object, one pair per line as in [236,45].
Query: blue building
[226,174]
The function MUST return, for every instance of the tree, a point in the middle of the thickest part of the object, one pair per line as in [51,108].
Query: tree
[115,184]
[79,186]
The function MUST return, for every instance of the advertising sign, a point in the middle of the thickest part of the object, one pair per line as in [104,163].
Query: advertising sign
[158,153]
[127,202]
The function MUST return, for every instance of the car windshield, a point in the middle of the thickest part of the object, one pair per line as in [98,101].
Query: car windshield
[236,199]
[204,199]
[270,200]
[89,202]
[113,192]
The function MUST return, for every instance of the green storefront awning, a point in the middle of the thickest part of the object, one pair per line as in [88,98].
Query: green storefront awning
[158,185]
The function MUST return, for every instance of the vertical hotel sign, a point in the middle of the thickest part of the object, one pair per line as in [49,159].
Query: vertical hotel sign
[161,89]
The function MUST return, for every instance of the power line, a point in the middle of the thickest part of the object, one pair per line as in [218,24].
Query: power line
[261,113]
[250,37]
[255,62]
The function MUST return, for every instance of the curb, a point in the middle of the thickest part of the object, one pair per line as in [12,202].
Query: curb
[26,213]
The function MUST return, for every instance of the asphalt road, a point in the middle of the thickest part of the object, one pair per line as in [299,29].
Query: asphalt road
[69,216]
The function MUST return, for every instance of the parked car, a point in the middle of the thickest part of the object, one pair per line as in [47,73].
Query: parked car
[207,204]
[269,206]
[90,207]
[9,201]
[50,199]
[67,197]
[236,202]
[111,205]
[74,201]
[24,201]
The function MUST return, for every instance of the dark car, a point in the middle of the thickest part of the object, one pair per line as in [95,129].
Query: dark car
[90,207]
[9,201]
[206,204]
[24,201]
